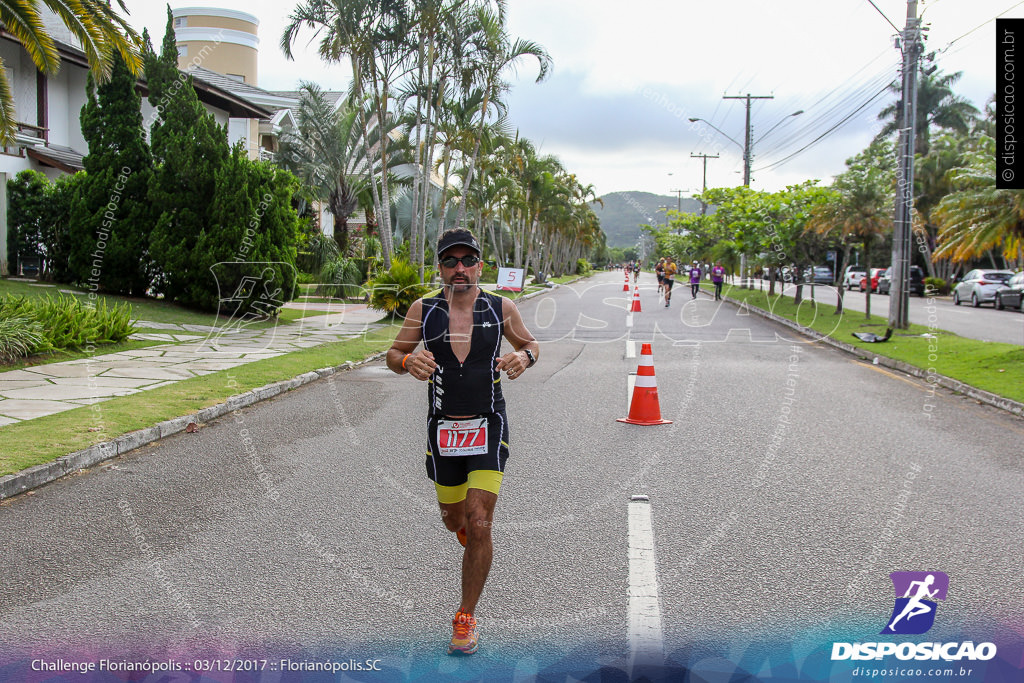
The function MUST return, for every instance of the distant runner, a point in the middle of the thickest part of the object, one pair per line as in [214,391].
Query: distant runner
[467,431]
[659,271]
[718,277]
[695,274]
[670,278]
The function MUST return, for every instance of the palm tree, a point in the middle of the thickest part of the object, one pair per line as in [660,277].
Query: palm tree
[373,35]
[325,153]
[496,52]
[978,217]
[101,32]
[936,105]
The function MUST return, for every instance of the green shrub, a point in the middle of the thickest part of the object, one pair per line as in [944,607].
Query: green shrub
[936,285]
[582,266]
[65,322]
[396,290]
[19,337]
[342,278]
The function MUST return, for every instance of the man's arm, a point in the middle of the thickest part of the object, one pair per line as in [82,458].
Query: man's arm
[402,357]
[520,338]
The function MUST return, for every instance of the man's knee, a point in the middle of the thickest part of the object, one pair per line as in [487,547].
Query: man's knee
[478,524]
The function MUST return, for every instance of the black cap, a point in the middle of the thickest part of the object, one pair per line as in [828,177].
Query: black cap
[456,237]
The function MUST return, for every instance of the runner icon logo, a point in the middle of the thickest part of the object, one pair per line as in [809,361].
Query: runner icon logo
[916,596]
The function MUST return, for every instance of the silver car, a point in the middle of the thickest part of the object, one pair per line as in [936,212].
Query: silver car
[980,286]
[1012,295]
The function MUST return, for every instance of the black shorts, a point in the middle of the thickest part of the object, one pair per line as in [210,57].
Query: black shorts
[454,470]
[669,282]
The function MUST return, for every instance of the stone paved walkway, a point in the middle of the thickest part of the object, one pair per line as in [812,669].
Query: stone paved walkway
[190,351]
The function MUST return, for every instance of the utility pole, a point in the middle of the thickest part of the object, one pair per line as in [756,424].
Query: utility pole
[746,143]
[679,199]
[899,298]
[746,157]
[704,184]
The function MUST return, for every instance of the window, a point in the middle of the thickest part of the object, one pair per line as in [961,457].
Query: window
[183,50]
[180,22]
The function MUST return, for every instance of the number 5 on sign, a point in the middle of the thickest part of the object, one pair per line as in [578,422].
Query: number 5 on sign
[511,279]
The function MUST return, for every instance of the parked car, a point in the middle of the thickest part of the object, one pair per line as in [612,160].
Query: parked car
[875,274]
[852,276]
[979,286]
[819,275]
[1010,295]
[916,281]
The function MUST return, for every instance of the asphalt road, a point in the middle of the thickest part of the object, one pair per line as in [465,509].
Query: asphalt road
[789,485]
[984,323]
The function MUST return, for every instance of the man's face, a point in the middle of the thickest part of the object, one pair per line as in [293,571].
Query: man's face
[460,278]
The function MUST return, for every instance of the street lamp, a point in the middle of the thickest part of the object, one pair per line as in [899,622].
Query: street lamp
[781,121]
[748,149]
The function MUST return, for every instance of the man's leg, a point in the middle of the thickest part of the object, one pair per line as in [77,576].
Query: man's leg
[476,561]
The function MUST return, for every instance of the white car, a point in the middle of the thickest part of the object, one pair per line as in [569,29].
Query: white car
[980,286]
[852,276]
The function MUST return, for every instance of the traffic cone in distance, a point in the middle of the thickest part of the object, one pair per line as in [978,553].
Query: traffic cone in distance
[636,300]
[625,285]
[644,408]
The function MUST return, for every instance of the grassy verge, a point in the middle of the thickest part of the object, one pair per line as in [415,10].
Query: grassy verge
[41,440]
[991,366]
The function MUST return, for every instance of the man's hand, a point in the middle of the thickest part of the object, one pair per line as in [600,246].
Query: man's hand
[421,364]
[513,364]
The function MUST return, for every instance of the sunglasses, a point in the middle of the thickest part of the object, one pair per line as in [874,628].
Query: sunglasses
[468,261]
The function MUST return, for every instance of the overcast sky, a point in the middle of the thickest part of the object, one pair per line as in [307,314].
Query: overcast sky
[628,76]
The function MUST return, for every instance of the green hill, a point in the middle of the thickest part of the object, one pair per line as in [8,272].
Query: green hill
[624,212]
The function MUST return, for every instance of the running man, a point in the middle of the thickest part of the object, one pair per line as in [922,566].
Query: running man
[914,606]
[694,279]
[718,277]
[670,278]
[659,271]
[467,431]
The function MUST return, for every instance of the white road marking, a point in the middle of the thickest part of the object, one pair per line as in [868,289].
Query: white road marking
[630,349]
[646,640]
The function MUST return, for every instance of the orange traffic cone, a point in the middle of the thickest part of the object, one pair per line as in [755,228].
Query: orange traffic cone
[644,408]
[636,300]
[625,285]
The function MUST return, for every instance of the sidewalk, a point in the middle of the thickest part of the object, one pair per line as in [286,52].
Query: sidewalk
[190,351]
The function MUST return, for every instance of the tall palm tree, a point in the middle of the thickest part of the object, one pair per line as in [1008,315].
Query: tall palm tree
[326,154]
[496,53]
[937,105]
[372,34]
[978,217]
[100,30]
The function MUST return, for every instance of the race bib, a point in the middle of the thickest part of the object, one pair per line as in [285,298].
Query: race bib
[462,437]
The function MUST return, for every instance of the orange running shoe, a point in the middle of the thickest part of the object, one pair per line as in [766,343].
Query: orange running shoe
[464,639]
[461,535]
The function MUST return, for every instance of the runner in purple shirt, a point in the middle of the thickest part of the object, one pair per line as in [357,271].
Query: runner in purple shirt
[694,279]
[718,277]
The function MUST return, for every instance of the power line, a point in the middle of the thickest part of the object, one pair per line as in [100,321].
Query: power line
[985,23]
[883,15]
[826,133]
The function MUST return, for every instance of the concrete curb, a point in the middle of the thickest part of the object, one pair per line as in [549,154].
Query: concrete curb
[33,477]
[955,385]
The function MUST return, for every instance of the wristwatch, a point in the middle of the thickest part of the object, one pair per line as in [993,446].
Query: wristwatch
[533,358]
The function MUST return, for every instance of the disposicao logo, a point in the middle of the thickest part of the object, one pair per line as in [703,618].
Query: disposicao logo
[916,595]
[913,614]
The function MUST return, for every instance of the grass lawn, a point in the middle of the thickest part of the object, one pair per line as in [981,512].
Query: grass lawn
[44,439]
[991,366]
